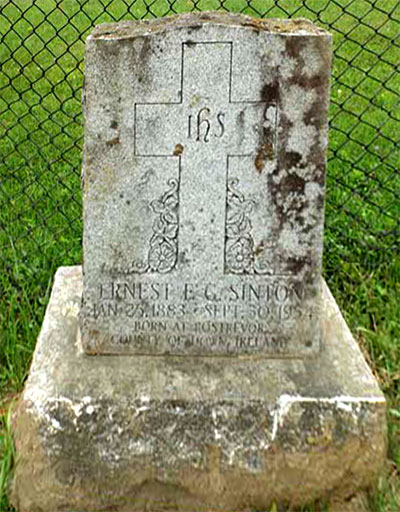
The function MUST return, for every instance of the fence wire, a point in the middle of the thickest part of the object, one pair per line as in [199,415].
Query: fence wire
[41,77]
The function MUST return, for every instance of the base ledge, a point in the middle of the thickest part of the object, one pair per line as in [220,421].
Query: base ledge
[128,433]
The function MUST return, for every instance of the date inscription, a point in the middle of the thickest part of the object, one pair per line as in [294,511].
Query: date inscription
[193,317]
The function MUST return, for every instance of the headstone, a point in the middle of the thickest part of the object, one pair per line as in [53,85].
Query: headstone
[203,192]
[204,170]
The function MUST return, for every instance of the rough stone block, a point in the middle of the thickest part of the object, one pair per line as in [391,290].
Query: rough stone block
[97,433]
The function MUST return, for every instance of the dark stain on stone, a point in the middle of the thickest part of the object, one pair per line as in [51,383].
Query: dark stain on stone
[285,159]
[308,228]
[114,124]
[265,152]
[321,199]
[309,271]
[254,23]
[64,473]
[285,123]
[274,183]
[316,113]
[292,159]
[183,258]
[113,141]
[270,92]
[307,82]
[319,81]
[282,187]
[190,43]
[110,48]
[193,28]
[178,150]
[293,183]
[140,61]
[294,45]
[317,157]
[314,117]
[295,265]
[259,248]
[310,116]
[145,50]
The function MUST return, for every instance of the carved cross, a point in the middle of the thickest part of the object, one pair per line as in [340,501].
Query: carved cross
[207,130]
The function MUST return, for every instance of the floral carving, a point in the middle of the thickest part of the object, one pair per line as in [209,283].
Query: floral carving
[240,251]
[163,251]
[239,244]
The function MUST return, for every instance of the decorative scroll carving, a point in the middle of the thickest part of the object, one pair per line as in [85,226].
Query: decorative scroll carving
[240,251]
[239,244]
[163,251]
[163,245]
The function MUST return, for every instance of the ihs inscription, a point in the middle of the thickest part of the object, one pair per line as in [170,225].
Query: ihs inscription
[206,125]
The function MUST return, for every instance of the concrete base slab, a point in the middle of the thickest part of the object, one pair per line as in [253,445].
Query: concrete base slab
[153,433]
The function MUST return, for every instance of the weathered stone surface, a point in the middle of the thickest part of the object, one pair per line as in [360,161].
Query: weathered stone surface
[192,433]
[204,171]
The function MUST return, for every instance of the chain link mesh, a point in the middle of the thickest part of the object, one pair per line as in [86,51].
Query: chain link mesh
[41,77]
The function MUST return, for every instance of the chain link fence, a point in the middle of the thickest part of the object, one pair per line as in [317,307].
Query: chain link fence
[41,77]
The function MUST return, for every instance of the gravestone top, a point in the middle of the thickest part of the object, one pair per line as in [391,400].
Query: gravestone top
[128,29]
[203,186]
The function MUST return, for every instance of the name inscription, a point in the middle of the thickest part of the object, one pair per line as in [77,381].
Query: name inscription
[247,292]
[192,315]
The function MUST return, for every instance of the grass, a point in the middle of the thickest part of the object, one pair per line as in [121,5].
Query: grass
[7,453]
[40,157]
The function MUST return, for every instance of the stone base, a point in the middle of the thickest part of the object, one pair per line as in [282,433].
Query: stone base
[153,433]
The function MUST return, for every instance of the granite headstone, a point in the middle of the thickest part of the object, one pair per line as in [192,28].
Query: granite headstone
[204,172]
